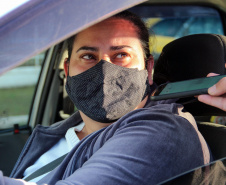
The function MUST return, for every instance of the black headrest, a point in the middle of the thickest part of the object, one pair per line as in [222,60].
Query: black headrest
[189,57]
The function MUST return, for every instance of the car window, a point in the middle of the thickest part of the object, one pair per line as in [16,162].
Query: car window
[167,23]
[168,27]
[17,88]
[205,25]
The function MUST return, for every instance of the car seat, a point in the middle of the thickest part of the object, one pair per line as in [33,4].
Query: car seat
[190,57]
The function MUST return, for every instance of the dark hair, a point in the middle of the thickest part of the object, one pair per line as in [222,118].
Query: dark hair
[142,31]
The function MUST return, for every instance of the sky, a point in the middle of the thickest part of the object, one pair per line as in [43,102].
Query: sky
[8,5]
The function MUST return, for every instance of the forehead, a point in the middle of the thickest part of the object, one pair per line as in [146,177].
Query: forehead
[115,24]
[109,29]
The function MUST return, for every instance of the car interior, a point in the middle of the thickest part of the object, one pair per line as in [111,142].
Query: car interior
[194,49]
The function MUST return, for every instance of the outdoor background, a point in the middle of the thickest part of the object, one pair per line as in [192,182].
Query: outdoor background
[16,92]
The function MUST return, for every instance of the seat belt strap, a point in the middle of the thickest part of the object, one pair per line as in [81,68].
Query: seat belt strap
[45,169]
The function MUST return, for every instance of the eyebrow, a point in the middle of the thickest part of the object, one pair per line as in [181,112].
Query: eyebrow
[87,48]
[119,47]
[95,49]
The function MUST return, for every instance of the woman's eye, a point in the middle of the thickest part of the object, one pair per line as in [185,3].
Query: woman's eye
[88,57]
[121,55]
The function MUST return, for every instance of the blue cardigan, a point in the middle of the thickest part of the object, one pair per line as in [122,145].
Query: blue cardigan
[146,146]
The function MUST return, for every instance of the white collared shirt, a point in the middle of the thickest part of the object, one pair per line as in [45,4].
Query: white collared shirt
[63,146]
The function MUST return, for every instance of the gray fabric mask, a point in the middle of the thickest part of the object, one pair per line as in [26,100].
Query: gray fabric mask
[107,92]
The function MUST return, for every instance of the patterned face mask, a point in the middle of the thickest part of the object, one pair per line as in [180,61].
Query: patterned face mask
[107,92]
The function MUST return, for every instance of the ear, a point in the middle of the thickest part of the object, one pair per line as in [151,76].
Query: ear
[66,66]
[150,65]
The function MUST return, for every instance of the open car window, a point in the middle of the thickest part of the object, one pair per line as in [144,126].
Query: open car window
[165,24]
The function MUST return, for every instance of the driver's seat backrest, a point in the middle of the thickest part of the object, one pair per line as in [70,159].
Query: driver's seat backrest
[190,57]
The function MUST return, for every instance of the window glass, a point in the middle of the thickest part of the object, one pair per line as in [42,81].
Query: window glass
[166,23]
[204,25]
[168,27]
[17,88]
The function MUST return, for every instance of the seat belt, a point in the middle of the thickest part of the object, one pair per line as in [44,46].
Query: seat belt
[45,169]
